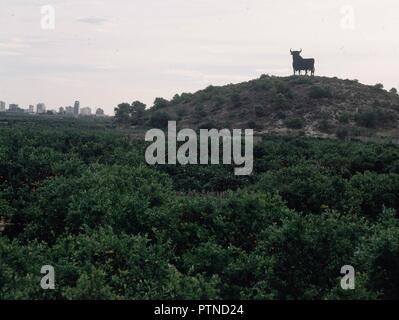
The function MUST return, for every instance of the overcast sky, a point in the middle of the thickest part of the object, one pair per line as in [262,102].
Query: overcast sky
[103,52]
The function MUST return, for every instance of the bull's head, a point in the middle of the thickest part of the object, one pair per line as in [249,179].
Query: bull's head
[295,53]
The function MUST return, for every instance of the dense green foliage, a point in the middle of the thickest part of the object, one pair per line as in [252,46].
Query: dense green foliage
[80,197]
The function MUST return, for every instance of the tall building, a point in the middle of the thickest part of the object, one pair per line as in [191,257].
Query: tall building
[31,109]
[2,106]
[76,108]
[13,107]
[69,111]
[40,108]
[85,111]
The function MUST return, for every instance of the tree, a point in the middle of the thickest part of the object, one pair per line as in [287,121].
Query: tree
[367,119]
[159,120]
[137,111]
[122,112]
[295,123]
[306,187]
[160,103]
[289,255]
[130,113]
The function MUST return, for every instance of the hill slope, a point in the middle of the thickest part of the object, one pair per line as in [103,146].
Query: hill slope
[317,106]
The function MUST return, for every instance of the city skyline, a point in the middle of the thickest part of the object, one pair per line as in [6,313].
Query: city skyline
[107,53]
[41,108]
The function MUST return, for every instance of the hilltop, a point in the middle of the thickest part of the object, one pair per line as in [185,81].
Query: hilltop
[313,106]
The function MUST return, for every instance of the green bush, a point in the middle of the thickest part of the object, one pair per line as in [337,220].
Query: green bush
[367,119]
[306,188]
[344,117]
[251,125]
[281,87]
[260,111]
[317,92]
[295,123]
[236,100]
[160,103]
[342,133]
[379,257]
[325,125]
[208,125]
[159,120]
[280,101]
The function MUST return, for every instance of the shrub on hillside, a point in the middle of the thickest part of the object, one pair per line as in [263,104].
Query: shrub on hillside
[181,112]
[325,125]
[159,120]
[367,119]
[281,87]
[207,94]
[342,133]
[160,103]
[262,84]
[280,101]
[176,99]
[344,117]
[260,111]
[360,132]
[208,125]
[251,125]
[199,112]
[317,92]
[281,115]
[218,101]
[295,123]
[300,80]
[236,100]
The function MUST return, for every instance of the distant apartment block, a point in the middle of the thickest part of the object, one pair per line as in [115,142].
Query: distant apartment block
[69,111]
[13,107]
[40,108]
[76,108]
[85,111]
[2,106]
[31,109]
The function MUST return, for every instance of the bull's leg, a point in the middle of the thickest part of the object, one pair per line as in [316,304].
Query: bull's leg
[306,72]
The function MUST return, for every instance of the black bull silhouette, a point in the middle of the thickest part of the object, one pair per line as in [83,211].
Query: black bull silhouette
[300,63]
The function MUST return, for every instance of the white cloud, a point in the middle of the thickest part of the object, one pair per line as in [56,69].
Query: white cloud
[92,20]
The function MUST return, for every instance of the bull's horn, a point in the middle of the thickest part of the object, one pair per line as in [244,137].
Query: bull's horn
[300,51]
[291,50]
